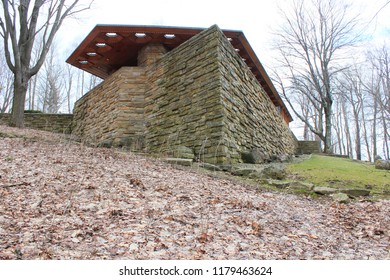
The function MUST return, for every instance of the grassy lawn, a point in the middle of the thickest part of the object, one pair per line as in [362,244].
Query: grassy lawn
[342,173]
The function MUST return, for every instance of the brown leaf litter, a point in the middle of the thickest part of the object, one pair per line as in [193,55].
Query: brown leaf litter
[63,200]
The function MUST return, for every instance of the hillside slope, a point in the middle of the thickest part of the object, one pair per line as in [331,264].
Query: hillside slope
[343,173]
[62,200]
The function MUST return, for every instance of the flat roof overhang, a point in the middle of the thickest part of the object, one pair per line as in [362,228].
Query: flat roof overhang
[110,47]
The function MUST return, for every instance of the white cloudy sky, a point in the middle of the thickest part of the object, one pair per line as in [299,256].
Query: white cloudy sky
[254,17]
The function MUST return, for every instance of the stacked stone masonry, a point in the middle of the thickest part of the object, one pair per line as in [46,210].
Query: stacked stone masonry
[200,95]
[113,112]
[309,147]
[59,123]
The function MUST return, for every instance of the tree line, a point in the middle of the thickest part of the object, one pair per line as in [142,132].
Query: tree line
[342,102]
[54,89]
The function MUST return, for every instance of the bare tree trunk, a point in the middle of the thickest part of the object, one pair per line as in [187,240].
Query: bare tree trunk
[34,91]
[19,100]
[358,147]
[347,131]
[386,148]
[365,135]
[337,127]
[328,129]
[374,133]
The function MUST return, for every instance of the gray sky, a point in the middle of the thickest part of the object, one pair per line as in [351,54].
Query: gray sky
[255,18]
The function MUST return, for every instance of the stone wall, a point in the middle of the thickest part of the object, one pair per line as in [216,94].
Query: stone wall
[183,105]
[113,112]
[59,123]
[251,120]
[309,147]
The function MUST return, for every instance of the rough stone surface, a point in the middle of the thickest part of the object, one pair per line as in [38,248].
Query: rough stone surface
[209,166]
[340,197]
[301,186]
[277,183]
[179,161]
[255,156]
[324,190]
[382,164]
[275,171]
[356,192]
[243,171]
[184,152]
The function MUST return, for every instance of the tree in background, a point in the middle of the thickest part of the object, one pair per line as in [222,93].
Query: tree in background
[51,80]
[380,91]
[311,42]
[6,86]
[19,25]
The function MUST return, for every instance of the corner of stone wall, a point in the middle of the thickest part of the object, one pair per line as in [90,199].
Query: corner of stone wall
[183,107]
[251,121]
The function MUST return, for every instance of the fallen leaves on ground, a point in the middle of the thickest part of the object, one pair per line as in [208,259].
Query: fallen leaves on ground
[62,200]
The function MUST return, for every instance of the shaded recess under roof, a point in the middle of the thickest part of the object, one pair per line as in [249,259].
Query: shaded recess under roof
[110,47]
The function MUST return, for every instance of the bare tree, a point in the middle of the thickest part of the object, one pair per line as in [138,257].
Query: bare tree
[351,91]
[6,86]
[51,84]
[68,85]
[379,88]
[310,42]
[19,25]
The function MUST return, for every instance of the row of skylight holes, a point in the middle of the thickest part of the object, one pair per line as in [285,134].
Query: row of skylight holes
[138,35]
[113,35]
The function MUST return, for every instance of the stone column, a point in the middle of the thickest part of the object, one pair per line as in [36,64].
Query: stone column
[150,53]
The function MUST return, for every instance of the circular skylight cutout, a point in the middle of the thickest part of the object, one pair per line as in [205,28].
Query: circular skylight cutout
[92,54]
[83,62]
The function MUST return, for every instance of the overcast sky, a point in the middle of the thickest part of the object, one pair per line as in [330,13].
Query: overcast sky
[255,18]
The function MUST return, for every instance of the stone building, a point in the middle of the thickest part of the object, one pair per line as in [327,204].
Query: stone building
[166,88]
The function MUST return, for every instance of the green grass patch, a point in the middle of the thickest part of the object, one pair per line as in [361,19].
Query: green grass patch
[342,173]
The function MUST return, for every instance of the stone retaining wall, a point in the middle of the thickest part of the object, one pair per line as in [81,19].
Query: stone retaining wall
[309,147]
[59,123]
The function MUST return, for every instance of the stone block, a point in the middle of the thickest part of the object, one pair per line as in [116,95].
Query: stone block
[179,161]
[324,190]
[340,197]
[382,164]
[356,192]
